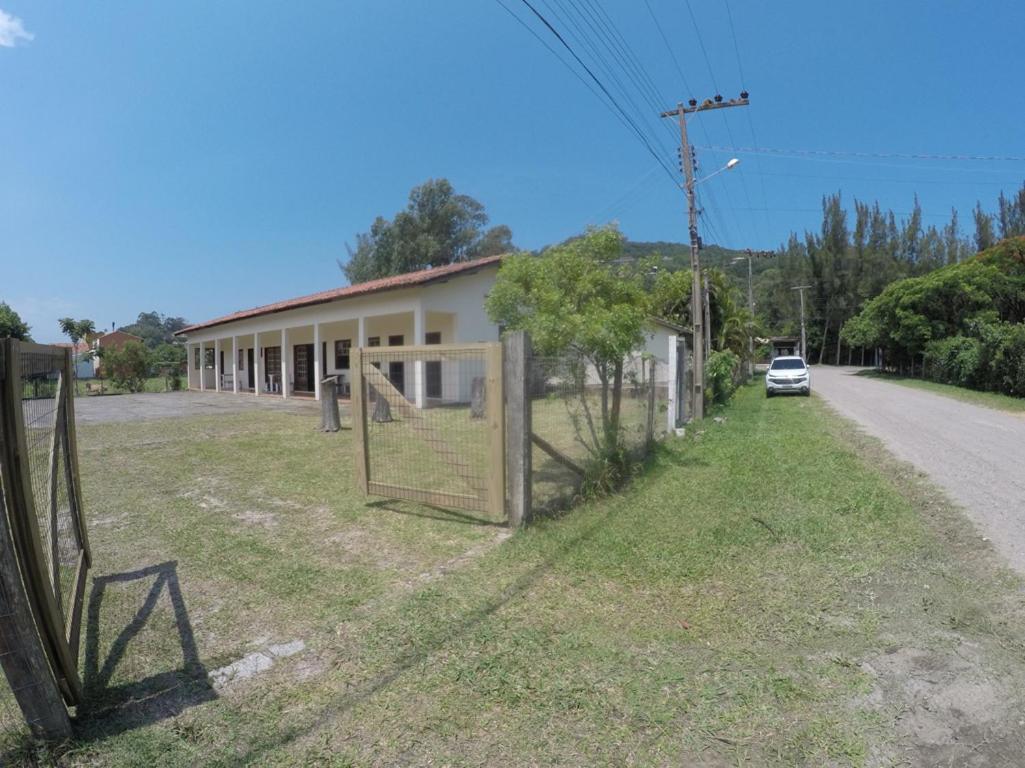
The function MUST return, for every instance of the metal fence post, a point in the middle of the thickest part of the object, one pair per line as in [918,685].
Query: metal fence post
[518,468]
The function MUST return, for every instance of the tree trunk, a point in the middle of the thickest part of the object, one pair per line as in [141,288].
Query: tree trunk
[617,396]
[862,357]
[825,336]
[838,346]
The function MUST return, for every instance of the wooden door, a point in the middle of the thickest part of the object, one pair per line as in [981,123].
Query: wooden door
[303,359]
[249,365]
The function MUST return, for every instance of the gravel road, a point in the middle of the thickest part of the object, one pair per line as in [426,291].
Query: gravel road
[976,454]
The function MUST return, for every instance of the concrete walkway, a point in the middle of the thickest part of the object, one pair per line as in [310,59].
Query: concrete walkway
[975,454]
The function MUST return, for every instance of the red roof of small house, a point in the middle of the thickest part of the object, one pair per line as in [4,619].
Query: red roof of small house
[116,338]
[78,349]
[407,280]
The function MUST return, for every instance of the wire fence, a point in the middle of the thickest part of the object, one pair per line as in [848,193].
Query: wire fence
[572,405]
[429,422]
[46,430]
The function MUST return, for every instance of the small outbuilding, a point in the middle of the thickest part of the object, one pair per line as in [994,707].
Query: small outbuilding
[784,346]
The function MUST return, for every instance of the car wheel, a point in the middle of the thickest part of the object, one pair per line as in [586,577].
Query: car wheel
[768,393]
[807,392]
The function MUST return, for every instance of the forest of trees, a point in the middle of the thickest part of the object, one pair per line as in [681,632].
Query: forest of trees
[852,259]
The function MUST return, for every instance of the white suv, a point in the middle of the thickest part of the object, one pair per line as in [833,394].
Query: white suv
[788,374]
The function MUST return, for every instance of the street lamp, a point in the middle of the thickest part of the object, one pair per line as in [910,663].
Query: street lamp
[730,165]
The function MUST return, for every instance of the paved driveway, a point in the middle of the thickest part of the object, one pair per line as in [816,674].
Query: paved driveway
[95,409]
[976,454]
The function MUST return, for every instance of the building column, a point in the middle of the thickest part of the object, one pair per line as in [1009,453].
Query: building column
[217,365]
[202,366]
[284,362]
[419,330]
[361,331]
[234,364]
[256,364]
[318,364]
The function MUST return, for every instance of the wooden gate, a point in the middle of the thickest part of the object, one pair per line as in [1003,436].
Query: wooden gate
[42,507]
[428,423]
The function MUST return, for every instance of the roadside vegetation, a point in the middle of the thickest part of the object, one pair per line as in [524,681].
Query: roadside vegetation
[772,592]
[965,323]
[986,399]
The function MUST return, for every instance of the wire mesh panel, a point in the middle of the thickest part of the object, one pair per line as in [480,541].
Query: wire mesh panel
[573,403]
[43,502]
[46,391]
[429,425]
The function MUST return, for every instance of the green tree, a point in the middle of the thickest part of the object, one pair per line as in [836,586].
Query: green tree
[574,298]
[155,329]
[76,330]
[128,366]
[437,227]
[11,324]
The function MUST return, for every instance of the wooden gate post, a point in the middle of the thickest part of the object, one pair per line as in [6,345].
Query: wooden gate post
[518,470]
[495,410]
[22,654]
[649,428]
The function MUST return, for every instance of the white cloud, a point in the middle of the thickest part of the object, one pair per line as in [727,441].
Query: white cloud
[12,31]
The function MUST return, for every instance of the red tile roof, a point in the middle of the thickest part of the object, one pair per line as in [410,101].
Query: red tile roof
[407,280]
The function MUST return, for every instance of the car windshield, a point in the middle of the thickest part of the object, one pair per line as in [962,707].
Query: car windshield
[787,365]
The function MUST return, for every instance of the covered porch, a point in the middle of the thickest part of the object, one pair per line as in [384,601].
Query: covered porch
[293,358]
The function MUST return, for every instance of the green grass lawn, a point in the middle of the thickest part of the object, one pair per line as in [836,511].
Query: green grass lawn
[987,399]
[767,593]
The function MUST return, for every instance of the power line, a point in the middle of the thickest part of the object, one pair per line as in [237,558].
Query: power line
[565,63]
[747,113]
[880,155]
[669,48]
[573,53]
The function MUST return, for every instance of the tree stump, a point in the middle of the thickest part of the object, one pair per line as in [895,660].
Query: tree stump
[329,419]
[477,398]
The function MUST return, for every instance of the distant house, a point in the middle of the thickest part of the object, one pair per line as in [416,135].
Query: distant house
[287,347]
[83,354]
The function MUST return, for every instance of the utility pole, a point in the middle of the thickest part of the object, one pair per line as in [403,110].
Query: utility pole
[804,338]
[687,160]
[751,304]
[708,318]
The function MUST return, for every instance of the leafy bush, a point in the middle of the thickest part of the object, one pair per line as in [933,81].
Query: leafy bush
[722,369]
[128,366]
[955,360]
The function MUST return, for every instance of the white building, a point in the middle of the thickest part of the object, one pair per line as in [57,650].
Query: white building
[286,348]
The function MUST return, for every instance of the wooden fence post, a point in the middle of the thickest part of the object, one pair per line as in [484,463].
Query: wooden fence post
[649,429]
[518,469]
[495,410]
[673,387]
[22,655]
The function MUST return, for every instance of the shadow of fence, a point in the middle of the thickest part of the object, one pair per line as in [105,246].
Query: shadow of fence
[112,709]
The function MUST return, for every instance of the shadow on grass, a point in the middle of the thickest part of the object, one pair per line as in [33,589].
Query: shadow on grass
[360,692]
[112,709]
[434,513]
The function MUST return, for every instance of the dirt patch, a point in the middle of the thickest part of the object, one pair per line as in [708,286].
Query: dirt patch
[252,517]
[949,709]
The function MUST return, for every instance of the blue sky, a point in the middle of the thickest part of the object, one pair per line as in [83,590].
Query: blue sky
[194,158]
